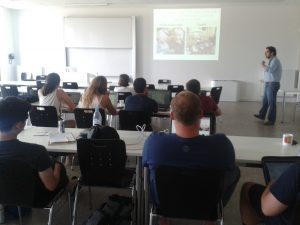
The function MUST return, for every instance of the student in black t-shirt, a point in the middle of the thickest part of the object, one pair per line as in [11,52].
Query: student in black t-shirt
[275,204]
[52,175]
[140,101]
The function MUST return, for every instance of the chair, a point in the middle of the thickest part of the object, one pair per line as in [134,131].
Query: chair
[123,95]
[150,86]
[40,83]
[84,117]
[164,81]
[17,186]
[128,120]
[215,94]
[43,116]
[32,94]
[9,90]
[40,77]
[102,164]
[70,85]
[175,88]
[184,193]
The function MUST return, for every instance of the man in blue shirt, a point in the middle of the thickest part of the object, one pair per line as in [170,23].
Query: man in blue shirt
[275,204]
[140,101]
[272,76]
[187,148]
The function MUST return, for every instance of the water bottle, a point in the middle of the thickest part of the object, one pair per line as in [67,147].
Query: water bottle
[97,118]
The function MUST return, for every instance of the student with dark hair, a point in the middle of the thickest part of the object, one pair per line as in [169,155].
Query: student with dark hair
[52,175]
[51,95]
[187,148]
[272,77]
[140,101]
[207,103]
[96,95]
[123,84]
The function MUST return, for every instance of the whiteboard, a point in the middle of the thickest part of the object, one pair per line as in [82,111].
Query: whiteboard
[99,32]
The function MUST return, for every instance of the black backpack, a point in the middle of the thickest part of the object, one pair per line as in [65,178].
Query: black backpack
[100,132]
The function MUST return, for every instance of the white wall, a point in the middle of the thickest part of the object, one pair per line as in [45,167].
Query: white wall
[245,32]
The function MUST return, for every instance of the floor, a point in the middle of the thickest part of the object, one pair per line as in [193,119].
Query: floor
[237,119]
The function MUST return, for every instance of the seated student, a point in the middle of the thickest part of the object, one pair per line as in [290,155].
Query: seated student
[123,84]
[52,175]
[96,95]
[274,204]
[187,148]
[207,103]
[51,95]
[140,101]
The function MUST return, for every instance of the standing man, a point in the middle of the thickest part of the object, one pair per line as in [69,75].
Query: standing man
[272,76]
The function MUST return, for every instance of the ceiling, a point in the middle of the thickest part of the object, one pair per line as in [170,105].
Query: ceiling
[66,3]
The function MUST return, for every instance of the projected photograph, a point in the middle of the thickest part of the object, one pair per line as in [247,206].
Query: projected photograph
[186,34]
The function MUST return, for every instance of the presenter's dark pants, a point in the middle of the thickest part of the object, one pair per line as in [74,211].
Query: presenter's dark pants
[269,101]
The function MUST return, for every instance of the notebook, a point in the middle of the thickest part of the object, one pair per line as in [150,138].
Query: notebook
[162,97]
[274,166]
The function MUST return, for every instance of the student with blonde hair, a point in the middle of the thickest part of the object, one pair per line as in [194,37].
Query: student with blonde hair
[96,95]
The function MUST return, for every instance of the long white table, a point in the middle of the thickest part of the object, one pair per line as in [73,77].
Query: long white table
[33,83]
[293,91]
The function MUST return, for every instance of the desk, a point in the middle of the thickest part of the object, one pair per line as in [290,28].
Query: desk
[33,83]
[292,91]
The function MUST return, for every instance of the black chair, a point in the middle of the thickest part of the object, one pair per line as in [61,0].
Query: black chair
[150,86]
[84,117]
[17,186]
[164,81]
[128,120]
[70,85]
[123,95]
[40,83]
[32,94]
[215,94]
[41,77]
[9,90]
[102,164]
[185,193]
[43,116]
[175,88]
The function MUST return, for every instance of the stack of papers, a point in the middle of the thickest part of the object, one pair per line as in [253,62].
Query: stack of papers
[61,138]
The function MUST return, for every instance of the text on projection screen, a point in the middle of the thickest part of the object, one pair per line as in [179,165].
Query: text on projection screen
[186,34]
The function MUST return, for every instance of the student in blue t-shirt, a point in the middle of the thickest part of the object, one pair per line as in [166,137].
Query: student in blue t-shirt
[140,101]
[274,204]
[187,148]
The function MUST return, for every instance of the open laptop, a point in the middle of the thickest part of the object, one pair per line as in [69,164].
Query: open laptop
[162,97]
[274,166]
[75,96]
[207,125]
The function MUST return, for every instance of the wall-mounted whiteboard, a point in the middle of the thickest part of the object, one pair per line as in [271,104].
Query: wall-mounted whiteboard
[104,46]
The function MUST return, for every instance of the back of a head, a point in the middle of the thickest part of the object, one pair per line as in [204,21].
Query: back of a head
[272,50]
[193,86]
[186,108]
[98,85]
[52,81]
[124,80]
[12,111]
[139,85]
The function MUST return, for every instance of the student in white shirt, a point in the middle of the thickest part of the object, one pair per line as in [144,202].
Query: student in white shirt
[123,84]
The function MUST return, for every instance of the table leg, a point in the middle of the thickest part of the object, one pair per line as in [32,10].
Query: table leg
[283,107]
[146,196]
[139,191]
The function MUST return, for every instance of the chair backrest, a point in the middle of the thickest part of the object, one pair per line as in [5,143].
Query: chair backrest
[40,83]
[274,166]
[164,81]
[102,162]
[32,90]
[150,86]
[215,94]
[43,116]
[129,119]
[175,88]
[9,90]
[17,182]
[189,193]
[84,117]
[70,85]
[123,95]
[41,77]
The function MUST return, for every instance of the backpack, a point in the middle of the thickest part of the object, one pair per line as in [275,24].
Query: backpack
[116,211]
[100,132]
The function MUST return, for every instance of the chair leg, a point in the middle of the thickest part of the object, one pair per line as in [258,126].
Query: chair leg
[50,215]
[75,204]
[20,215]
[90,198]
[72,164]
[70,208]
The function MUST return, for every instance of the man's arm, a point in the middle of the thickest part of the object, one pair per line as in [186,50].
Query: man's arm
[270,205]
[50,177]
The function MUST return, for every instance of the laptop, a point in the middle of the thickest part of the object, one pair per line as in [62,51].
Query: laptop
[113,96]
[207,125]
[274,166]
[162,97]
[75,96]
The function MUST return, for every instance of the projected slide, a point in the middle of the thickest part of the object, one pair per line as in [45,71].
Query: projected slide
[186,34]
